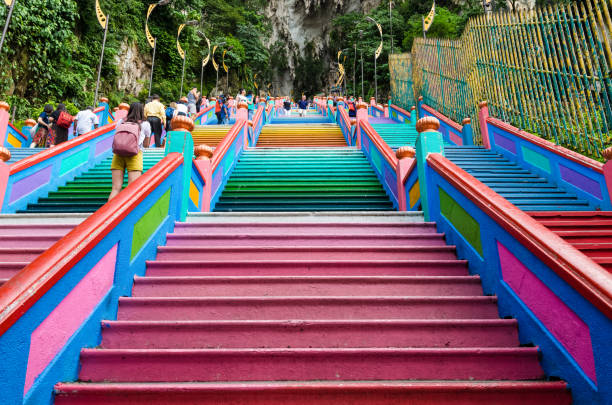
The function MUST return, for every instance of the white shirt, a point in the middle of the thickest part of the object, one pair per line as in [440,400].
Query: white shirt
[145,132]
[180,108]
[86,120]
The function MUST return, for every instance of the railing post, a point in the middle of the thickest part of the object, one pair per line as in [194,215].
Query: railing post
[203,154]
[372,101]
[362,116]
[420,107]
[413,115]
[242,113]
[4,121]
[405,157]
[5,156]
[483,114]
[180,140]
[607,170]
[467,133]
[386,110]
[429,141]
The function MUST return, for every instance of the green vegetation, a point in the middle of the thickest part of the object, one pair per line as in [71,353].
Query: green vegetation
[53,47]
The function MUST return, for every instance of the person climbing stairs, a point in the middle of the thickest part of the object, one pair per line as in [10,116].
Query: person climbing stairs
[88,191]
[299,135]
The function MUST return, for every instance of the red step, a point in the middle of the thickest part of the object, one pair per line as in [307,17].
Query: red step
[294,333]
[305,286]
[255,364]
[317,392]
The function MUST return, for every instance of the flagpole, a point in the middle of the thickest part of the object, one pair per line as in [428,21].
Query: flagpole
[424,33]
[6,24]
[101,60]
[152,66]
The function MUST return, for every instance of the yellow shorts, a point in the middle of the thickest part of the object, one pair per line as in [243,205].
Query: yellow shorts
[132,163]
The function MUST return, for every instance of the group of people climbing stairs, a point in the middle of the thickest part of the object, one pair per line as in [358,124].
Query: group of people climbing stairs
[305,287]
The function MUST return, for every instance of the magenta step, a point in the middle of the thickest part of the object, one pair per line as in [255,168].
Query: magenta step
[54,230]
[319,393]
[305,286]
[170,365]
[240,239]
[304,229]
[311,253]
[16,254]
[8,270]
[269,308]
[356,333]
[31,241]
[308,268]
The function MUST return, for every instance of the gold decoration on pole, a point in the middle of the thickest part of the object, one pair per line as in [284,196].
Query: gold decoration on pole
[254,82]
[430,18]
[178,45]
[215,65]
[380,46]
[101,17]
[224,65]
[207,58]
[150,38]
[10,2]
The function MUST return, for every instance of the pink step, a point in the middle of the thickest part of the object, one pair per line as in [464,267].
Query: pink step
[8,270]
[317,392]
[18,254]
[351,229]
[305,286]
[260,308]
[308,268]
[31,241]
[311,253]
[356,333]
[54,230]
[171,365]
[423,239]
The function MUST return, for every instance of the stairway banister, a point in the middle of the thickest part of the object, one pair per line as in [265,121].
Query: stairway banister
[381,145]
[450,130]
[560,297]
[202,113]
[17,134]
[345,124]
[225,144]
[578,270]
[400,111]
[37,174]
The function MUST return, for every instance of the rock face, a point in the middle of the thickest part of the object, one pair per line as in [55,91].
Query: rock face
[134,68]
[299,22]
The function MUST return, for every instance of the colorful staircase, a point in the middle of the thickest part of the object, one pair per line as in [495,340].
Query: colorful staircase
[24,237]
[88,191]
[301,135]
[588,231]
[523,188]
[309,309]
[21,153]
[303,179]
[396,135]
[210,135]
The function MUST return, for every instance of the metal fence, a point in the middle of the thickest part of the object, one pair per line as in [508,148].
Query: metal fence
[546,71]
[402,89]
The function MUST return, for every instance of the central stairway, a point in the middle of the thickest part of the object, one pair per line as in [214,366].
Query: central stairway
[303,179]
[21,153]
[309,309]
[88,191]
[396,135]
[301,135]
[210,135]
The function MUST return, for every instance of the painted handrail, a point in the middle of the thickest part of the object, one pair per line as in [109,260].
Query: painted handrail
[63,147]
[380,144]
[202,113]
[344,121]
[225,144]
[458,127]
[587,277]
[401,110]
[31,283]
[561,298]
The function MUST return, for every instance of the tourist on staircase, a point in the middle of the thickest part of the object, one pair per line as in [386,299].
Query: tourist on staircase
[131,137]
[155,114]
[41,138]
[85,121]
[250,104]
[192,100]
[170,113]
[287,105]
[352,108]
[181,108]
[303,105]
[61,122]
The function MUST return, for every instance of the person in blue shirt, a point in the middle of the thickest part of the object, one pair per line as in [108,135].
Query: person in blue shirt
[303,106]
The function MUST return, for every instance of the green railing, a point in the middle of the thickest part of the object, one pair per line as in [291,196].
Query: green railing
[547,71]
[402,89]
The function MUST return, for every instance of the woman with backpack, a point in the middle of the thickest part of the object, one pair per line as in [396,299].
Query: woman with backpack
[131,137]
[62,120]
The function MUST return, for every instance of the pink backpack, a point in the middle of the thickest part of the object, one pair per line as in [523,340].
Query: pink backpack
[126,139]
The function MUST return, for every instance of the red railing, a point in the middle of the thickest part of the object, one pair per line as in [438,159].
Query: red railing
[46,154]
[579,271]
[31,283]
[381,145]
[225,144]
[442,117]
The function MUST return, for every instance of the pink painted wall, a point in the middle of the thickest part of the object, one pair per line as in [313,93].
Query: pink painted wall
[52,334]
[557,317]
